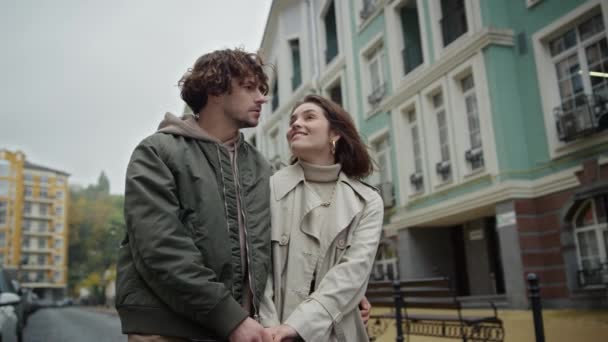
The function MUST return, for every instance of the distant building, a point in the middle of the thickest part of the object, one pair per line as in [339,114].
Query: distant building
[33,224]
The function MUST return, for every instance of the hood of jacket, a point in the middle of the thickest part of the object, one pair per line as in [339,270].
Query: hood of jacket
[186,126]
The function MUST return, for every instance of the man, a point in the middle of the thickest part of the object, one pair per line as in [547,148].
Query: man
[197,255]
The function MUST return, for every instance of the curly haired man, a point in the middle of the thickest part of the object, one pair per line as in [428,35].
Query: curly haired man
[195,258]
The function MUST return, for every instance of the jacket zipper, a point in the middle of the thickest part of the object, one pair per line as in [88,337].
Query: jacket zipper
[250,271]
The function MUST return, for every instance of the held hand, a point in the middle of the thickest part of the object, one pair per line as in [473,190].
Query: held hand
[283,333]
[366,309]
[250,331]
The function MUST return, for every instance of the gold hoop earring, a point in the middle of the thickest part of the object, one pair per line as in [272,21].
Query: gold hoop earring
[333,147]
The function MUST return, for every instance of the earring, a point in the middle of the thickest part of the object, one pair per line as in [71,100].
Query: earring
[333,147]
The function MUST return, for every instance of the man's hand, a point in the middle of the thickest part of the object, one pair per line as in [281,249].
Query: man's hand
[250,331]
[366,309]
[283,333]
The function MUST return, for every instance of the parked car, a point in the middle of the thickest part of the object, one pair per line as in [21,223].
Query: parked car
[26,307]
[9,301]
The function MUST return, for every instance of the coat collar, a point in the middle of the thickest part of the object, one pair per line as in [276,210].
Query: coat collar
[286,179]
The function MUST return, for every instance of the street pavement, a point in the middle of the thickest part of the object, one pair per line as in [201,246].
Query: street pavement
[73,324]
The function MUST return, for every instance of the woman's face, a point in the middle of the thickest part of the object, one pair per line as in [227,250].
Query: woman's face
[309,136]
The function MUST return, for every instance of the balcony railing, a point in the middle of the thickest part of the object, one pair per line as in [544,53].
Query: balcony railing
[377,94]
[453,25]
[369,6]
[588,117]
[593,276]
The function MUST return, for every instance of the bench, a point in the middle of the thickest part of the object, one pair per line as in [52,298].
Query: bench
[430,294]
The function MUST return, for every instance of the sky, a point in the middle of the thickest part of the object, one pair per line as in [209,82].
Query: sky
[83,81]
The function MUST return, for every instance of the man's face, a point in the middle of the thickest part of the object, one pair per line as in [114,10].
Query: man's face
[244,102]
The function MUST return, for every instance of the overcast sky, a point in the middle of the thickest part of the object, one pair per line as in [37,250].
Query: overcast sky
[83,81]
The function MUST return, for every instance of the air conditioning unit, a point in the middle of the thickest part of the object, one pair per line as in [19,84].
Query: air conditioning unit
[369,6]
[387,193]
[443,167]
[417,181]
[377,95]
[473,154]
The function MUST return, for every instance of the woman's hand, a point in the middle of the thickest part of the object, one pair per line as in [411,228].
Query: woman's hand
[283,333]
[365,307]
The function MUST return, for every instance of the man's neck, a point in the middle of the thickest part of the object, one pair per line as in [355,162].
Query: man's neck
[215,123]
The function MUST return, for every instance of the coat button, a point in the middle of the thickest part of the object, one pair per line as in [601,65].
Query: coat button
[283,239]
[341,243]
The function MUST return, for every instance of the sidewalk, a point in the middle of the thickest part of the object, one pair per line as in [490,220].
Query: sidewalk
[100,309]
[560,326]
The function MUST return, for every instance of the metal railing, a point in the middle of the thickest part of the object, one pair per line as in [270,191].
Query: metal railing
[588,116]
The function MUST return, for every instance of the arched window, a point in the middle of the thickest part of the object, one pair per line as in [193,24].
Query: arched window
[591,238]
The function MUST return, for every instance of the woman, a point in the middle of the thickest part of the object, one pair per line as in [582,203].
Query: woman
[326,226]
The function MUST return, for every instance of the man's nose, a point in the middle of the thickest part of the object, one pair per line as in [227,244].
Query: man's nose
[261,98]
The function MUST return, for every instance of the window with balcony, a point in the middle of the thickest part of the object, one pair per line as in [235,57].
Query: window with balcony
[591,239]
[43,209]
[580,56]
[377,84]
[26,225]
[42,242]
[443,167]
[4,187]
[274,104]
[25,242]
[57,259]
[382,177]
[453,21]
[42,226]
[41,259]
[5,168]
[27,208]
[44,193]
[416,178]
[2,239]
[28,191]
[296,65]
[411,55]
[3,212]
[335,93]
[474,155]
[331,33]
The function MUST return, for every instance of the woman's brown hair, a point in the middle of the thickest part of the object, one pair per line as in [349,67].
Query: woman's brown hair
[351,152]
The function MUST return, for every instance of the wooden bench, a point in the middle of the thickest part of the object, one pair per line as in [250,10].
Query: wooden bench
[431,294]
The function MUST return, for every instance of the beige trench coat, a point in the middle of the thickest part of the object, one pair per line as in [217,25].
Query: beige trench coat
[340,244]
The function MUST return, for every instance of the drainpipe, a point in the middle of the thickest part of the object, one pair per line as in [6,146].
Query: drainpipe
[312,32]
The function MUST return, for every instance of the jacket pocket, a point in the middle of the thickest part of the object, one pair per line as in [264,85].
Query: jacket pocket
[280,249]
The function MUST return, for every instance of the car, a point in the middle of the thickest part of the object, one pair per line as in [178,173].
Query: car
[9,301]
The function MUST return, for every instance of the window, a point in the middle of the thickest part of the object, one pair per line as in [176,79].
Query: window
[57,260]
[410,29]
[416,178]
[28,191]
[368,7]
[591,239]
[5,168]
[58,243]
[475,154]
[376,77]
[44,192]
[4,187]
[59,211]
[454,20]
[3,212]
[1,259]
[331,33]
[59,194]
[41,259]
[275,91]
[443,166]
[2,239]
[296,78]
[25,243]
[27,208]
[58,276]
[44,180]
[42,226]
[26,225]
[28,177]
[42,242]
[58,227]
[335,93]
[43,209]
[381,150]
[580,56]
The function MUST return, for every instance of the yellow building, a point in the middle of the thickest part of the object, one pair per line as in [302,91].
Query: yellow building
[33,224]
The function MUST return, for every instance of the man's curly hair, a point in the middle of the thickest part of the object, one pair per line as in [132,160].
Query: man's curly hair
[213,73]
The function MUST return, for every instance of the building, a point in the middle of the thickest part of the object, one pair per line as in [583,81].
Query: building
[488,123]
[33,224]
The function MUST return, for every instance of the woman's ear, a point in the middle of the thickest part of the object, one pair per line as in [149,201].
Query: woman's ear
[333,136]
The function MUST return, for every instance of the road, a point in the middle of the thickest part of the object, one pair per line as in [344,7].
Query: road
[73,324]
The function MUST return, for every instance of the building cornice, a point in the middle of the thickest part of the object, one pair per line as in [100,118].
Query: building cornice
[450,60]
[491,195]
